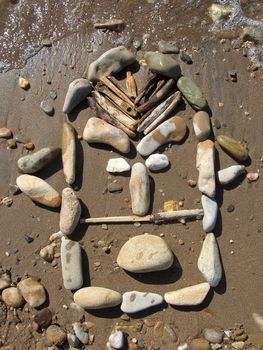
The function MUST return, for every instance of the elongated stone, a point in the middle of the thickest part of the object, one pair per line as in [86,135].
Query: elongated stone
[145,253]
[69,152]
[70,211]
[188,296]
[210,213]
[71,264]
[227,175]
[209,261]
[97,298]
[139,189]
[233,147]
[32,291]
[98,131]
[205,166]
[192,93]
[110,63]
[137,301]
[201,124]
[157,162]
[172,130]
[33,162]
[162,64]
[38,190]
[78,90]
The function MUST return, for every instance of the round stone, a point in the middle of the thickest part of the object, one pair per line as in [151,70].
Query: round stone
[12,297]
[213,335]
[55,335]
[199,344]
[33,292]
[157,162]
[162,64]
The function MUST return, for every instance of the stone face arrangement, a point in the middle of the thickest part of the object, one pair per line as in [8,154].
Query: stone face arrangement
[188,296]
[68,152]
[145,253]
[70,211]
[78,90]
[137,301]
[140,189]
[97,298]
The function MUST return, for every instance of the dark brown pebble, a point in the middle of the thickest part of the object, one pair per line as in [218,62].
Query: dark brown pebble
[216,123]
[28,238]
[230,208]
[11,144]
[43,318]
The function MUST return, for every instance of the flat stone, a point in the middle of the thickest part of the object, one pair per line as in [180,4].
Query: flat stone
[33,162]
[47,108]
[118,165]
[137,301]
[70,211]
[192,93]
[116,339]
[115,187]
[205,165]
[172,130]
[68,148]
[12,297]
[227,175]
[55,334]
[97,298]
[80,333]
[209,261]
[78,90]
[157,162]
[185,57]
[258,319]
[188,296]
[233,147]
[201,124]
[71,264]
[199,344]
[139,186]
[213,335]
[210,208]
[33,292]
[5,133]
[110,63]
[39,190]
[98,131]
[168,47]
[162,64]
[145,253]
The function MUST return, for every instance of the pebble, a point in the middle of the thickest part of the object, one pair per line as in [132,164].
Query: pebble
[33,162]
[213,335]
[205,166]
[170,332]
[145,253]
[252,33]
[192,93]
[162,64]
[78,90]
[5,133]
[33,292]
[43,318]
[53,94]
[172,130]
[11,144]
[182,346]
[233,147]
[28,238]
[210,213]
[56,334]
[7,201]
[116,339]
[73,341]
[258,319]
[110,63]
[71,264]
[167,47]
[216,123]
[68,148]
[137,44]
[209,261]
[201,124]
[140,189]
[230,208]
[193,295]
[114,187]
[227,175]
[70,211]
[29,146]
[47,253]
[251,177]
[5,280]
[186,58]
[47,108]
[118,165]
[97,298]
[157,162]
[80,333]
[23,83]
[239,345]
[14,189]
[39,190]
[12,297]
[199,344]
[137,301]
[98,131]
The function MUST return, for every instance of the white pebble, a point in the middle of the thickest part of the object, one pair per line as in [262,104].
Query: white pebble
[157,162]
[116,339]
[117,165]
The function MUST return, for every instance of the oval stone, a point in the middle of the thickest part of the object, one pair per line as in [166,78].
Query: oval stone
[229,174]
[12,297]
[78,90]
[201,124]
[210,213]
[172,130]
[33,292]
[213,335]
[97,298]
[68,152]
[118,165]
[157,162]
[70,211]
[188,296]
[39,190]
[33,162]
[199,344]
[162,64]
[145,253]
[233,147]
[192,93]
[140,189]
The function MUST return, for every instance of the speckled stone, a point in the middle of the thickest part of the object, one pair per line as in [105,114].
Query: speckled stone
[192,93]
